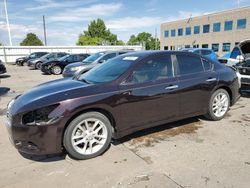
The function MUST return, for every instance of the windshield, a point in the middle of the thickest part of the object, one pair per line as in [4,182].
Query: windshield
[93,57]
[63,58]
[108,71]
[46,56]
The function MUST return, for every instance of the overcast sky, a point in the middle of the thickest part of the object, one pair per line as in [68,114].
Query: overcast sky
[66,19]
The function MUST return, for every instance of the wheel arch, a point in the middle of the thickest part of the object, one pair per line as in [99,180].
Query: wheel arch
[229,91]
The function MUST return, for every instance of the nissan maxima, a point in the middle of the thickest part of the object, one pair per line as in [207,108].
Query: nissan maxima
[128,93]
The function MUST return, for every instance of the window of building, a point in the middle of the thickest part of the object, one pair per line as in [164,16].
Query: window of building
[172,47]
[228,25]
[166,34]
[206,28]
[226,47]
[215,47]
[188,30]
[196,29]
[196,46]
[189,64]
[216,27]
[204,45]
[180,32]
[187,46]
[165,47]
[173,33]
[241,24]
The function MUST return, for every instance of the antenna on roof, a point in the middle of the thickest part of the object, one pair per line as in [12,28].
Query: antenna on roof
[190,18]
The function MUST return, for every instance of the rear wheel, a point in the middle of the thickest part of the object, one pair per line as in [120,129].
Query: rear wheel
[38,65]
[218,105]
[56,70]
[88,135]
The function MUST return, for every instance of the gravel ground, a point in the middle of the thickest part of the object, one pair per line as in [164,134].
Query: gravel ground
[189,153]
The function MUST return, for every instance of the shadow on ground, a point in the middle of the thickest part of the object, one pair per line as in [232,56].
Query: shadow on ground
[44,158]
[4,76]
[4,90]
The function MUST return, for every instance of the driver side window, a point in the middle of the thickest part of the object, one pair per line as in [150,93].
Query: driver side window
[153,69]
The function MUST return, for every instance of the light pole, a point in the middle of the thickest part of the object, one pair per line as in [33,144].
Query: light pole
[44,31]
[7,21]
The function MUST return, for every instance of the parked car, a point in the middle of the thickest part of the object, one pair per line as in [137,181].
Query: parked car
[57,66]
[224,58]
[202,51]
[36,63]
[90,62]
[20,61]
[239,53]
[2,68]
[126,94]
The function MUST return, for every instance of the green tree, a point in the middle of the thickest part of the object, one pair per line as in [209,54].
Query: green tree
[98,34]
[146,39]
[31,40]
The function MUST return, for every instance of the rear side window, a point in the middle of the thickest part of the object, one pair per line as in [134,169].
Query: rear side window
[189,64]
[205,52]
[207,65]
[153,69]
[109,56]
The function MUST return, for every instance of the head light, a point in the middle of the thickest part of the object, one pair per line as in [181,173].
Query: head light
[74,69]
[40,116]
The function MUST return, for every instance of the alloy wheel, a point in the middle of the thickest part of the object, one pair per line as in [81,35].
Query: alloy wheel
[220,104]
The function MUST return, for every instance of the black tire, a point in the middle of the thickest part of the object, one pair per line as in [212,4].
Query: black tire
[211,114]
[69,130]
[56,70]
[38,65]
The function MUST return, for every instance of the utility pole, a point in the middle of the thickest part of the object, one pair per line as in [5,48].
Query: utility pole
[44,31]
[7,21]
[155,38]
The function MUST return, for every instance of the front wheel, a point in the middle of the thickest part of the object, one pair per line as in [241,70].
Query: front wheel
[88,135]
[38,65]
[56,70]
[218,105]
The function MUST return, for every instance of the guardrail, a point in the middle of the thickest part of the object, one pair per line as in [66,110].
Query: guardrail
[9,54]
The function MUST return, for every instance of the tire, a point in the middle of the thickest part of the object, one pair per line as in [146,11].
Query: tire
[79,148]
[218,110]
[38,65]
[56,70]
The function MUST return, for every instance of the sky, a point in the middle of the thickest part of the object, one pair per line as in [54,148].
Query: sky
[66,19]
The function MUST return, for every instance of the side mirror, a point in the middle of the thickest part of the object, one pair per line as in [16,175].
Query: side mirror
[102,61]
[240,58]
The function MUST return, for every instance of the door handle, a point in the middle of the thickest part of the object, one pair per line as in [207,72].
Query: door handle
[211,80]
[172,87]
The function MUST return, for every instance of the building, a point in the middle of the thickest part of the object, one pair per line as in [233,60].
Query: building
[220,31]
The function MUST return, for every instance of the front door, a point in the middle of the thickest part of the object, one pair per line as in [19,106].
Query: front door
[150,94]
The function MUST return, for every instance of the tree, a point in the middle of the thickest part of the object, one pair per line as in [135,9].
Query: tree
[1,44]
[31,40]
[146,39]
[98,34]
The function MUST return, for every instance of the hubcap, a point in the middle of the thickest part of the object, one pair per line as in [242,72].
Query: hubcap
[220,104]
[57,70]
[89,136]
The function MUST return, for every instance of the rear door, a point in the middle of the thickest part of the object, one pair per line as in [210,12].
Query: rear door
[197,80]
[151,93]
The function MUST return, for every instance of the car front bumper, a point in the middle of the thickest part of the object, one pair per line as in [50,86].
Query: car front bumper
[37,140]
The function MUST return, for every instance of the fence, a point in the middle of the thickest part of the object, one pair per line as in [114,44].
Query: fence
[9,54]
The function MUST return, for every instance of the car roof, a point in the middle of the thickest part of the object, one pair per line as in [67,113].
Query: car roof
[194,49]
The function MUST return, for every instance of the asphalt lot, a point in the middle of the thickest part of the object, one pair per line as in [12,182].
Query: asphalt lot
[189,153]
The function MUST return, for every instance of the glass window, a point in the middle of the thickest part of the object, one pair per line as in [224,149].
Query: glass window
[215,47]
[189,64]
[216,27]
[204,45]
[166,34]
[108,56]
[196,46]
[206,28]
[154,69]
[207,65]
[173,33]
[196,29]
[107,72]
[205,52]
[241,24]
[188,30]
[228,25]
[226,47]
[235,53]
[187,46]
[180,32]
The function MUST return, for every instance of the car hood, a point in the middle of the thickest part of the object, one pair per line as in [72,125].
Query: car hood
[48,93]
[245,47]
